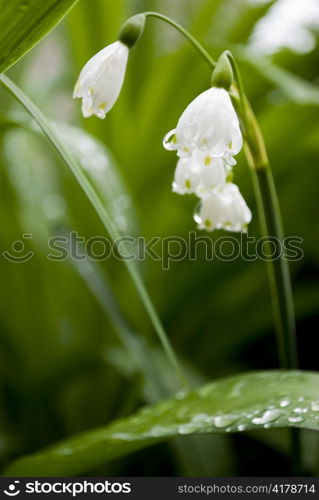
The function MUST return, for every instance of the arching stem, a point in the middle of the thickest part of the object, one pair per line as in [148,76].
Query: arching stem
[198,46]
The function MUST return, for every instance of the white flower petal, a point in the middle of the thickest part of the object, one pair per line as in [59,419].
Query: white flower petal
[200,173]
[101,80]
[187,176]
[223,208]
[209,124]
[213,173]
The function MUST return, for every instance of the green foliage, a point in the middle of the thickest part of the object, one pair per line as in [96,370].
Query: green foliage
[24,22]
[77,350]
[265,399]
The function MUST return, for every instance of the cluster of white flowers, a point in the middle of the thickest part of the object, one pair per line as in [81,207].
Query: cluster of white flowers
[206,139]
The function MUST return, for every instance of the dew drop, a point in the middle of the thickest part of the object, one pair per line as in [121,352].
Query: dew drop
[268,416]
[225,420]
[202,418]
[295,419]
[169,140]
[284,402]
[196,215]
[188,428]
[300,410]
[315,406]
[242,427]
[158,431]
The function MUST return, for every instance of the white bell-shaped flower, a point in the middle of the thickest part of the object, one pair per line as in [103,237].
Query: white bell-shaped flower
[223,208]
[200,173]
[209,124]
[101,80]
[214,171]
[186,177]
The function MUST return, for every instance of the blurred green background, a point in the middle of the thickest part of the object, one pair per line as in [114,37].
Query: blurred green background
[70,332]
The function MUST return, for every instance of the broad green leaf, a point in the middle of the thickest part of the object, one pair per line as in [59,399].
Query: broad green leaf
[24,22]
[243,402]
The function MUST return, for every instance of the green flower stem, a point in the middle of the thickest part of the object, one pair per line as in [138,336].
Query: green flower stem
[279,279]
[49,131]
[198,46]
[278,269]
[271,226]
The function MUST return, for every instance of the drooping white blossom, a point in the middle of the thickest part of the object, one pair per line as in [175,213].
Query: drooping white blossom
[209,124]
[223,208]
[186,177]
[101,80]
[200,173]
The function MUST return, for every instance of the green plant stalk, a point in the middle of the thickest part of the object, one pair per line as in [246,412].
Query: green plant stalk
[198,46]
[271,226]
[49,131]
[279,281]
[278,269]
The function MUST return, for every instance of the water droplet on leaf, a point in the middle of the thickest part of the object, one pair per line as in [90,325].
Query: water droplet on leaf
[222,421]
[268,416]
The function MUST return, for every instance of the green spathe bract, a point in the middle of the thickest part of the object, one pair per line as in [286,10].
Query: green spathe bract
[132,30]
[223,74]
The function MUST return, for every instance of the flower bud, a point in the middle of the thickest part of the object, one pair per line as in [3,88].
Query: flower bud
[223,74]
[132,30]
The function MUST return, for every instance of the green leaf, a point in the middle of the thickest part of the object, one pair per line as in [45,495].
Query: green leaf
[24,22]
[243,402]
